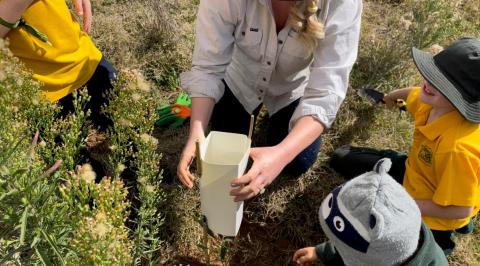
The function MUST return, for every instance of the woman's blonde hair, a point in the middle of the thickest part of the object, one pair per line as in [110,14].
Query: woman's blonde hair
[304,19]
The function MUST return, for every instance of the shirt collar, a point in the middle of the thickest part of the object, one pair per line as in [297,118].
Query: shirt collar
[442,124]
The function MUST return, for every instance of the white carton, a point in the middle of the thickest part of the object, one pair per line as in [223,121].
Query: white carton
[224,157]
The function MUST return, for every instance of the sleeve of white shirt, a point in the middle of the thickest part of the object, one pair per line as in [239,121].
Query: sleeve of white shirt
[216,20]
[333,60]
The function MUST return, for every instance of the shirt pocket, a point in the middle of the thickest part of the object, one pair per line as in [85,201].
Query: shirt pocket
[249,41]
[294,46]
[294,56]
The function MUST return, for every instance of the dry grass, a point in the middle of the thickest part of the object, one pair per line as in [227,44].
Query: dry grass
[157,37]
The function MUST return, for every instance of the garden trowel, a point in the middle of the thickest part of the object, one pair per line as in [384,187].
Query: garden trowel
[376,97]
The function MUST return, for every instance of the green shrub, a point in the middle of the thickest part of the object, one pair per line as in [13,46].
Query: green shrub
[52,216]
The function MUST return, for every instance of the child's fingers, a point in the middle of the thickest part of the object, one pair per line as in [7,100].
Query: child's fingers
[78,7]
[87,15]
[298,254]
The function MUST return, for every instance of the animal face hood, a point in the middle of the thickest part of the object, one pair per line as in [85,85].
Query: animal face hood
[371,219]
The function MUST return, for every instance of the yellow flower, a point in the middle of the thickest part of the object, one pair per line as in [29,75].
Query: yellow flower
[146,138]
[101,229]
[120,167]
[125,122]
[143,85]
[136,97]
[86,173]
[149,189]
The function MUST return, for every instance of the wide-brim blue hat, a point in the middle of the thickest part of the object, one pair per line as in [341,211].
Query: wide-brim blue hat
[455,72]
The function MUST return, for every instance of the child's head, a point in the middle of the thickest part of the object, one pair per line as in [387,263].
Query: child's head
[455,73]
[371,219]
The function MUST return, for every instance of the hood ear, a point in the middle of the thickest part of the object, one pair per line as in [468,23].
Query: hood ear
[382,166]
[376,224]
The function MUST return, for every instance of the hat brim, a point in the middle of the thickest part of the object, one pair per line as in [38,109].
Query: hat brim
[426,65]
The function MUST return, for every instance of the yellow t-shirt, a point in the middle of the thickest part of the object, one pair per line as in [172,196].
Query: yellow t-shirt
[71,60]
[444,162]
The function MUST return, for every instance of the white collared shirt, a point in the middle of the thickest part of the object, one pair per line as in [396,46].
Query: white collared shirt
[236,40]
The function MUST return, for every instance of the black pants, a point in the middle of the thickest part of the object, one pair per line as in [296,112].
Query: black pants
[351,161]
[229,115]
[98,87]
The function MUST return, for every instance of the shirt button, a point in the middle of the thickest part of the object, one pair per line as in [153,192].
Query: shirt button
[280,41]
[264,79]
[243,33]
[269,63]
[261,91]
[259,98]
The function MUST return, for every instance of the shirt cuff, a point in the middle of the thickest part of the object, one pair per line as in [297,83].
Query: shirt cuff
[202,85]
[323,109]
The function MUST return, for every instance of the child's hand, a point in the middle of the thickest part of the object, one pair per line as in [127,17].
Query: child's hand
[389,102]
[84,9]
[305,256]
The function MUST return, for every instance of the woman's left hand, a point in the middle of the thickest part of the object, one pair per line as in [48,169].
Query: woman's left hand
[84,9]
[268,162]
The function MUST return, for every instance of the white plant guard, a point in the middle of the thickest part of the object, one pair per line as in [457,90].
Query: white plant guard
[224,157]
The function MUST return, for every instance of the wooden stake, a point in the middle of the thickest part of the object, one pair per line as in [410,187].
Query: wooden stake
[197,154]
[250,130]
[205,241]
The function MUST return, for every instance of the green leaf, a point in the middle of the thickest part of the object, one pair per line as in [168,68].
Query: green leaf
[53,246]
[19,172]
[9,152]
[36,239]
[225,247]
[43,258]
[23,226]
[4,170]
[11,192]
[223,252]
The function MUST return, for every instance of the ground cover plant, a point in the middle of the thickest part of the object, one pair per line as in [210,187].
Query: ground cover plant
[53,213]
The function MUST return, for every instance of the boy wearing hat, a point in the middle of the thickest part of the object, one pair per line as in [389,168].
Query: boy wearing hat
[371,220]
[442,171]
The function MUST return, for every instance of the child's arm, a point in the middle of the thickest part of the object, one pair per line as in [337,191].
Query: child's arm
[430,208]
[394,95]
[11,11]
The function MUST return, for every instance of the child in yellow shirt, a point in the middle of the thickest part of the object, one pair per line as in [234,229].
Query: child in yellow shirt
[48,40]
[442,170]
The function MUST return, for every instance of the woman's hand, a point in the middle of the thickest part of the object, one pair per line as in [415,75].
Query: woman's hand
[305,256]
[201,110]
[84,9]
[268,162]
[186,159]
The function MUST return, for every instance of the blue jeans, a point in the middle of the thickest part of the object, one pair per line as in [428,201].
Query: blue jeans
[229,115]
